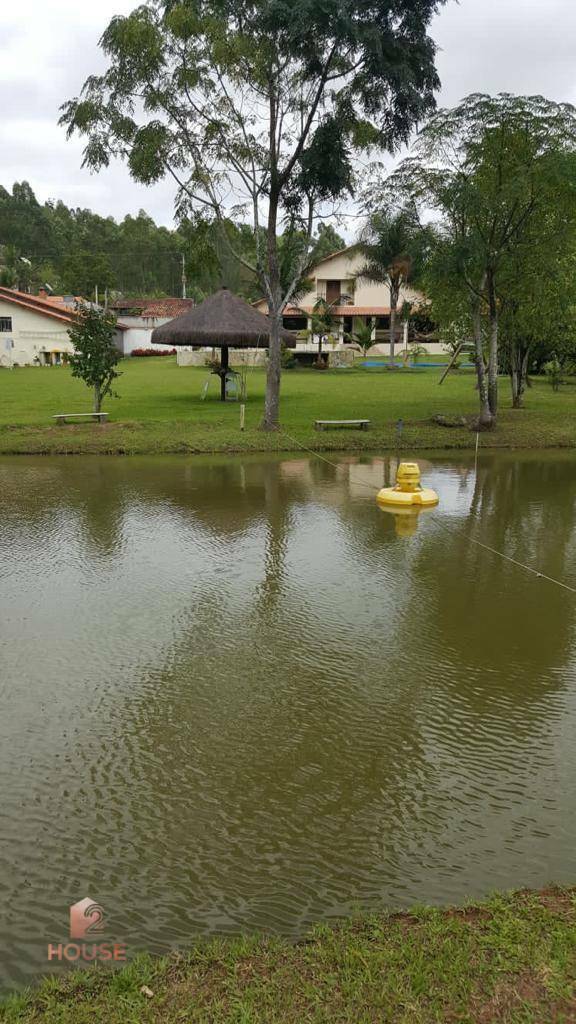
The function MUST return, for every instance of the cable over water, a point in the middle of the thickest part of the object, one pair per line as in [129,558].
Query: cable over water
[479,543]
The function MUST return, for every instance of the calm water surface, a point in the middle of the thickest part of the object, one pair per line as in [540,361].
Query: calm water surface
[235,695]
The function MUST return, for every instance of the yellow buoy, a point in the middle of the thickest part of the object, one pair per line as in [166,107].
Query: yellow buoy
[405,518]
[408,491]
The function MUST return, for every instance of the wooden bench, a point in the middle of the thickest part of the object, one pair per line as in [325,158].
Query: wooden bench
[327,424]
[63,417]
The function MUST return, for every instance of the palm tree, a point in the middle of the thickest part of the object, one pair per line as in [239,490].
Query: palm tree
[323,323]
[394,245]
[362,334]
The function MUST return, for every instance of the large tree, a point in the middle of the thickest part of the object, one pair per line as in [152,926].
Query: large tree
[497,171]
[258,106]
[537,296]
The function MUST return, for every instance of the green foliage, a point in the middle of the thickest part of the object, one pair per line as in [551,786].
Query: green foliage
[500,173]
[395,247]
[362,334]
[258,107]
[324,325]
[325,242]
[417,350]
[95,355]
[74,251]
[288,358]
[553,371]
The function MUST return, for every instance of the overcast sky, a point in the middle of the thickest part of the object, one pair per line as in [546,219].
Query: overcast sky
[48,49]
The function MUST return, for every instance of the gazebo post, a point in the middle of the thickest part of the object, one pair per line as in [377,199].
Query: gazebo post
[222,321]
[224,364]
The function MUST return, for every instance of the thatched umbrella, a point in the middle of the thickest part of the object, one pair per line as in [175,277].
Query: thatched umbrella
[222,321]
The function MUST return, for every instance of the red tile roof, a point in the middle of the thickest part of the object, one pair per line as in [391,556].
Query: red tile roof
[33,302]
[47,307]
[168,307]
[361,310]
[337,310]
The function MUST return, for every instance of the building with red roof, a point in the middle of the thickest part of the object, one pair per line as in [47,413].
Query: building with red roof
[34,328]
[141,316]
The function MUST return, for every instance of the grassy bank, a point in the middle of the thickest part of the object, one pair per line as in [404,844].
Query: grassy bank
[511,959]
[160,410]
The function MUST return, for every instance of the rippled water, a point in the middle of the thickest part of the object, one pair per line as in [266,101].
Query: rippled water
[233,697]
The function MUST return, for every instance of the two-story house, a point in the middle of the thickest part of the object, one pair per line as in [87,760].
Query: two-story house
[352,299]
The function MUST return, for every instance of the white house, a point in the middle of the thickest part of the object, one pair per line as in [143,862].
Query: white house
[34,328]
[141,316]
[353,299]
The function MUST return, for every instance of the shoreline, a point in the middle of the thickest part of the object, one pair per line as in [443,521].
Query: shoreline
[179,438]
[510,958]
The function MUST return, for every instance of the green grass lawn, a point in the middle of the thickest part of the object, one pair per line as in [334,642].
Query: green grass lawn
[510,960]
[160,410]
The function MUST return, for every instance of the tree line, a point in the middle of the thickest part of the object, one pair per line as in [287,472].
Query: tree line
[73,251]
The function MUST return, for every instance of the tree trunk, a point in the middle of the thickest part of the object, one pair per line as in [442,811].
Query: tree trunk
[485,419]
[393,307]
[272,403]
[493,353]
[524,371]
[514,381]
[97,399]
[224,364]
[518,375]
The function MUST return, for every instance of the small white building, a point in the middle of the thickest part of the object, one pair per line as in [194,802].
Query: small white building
[139,317]
[34,328]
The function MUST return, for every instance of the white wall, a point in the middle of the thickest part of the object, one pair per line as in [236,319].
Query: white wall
[139,333]
[32,334]
[345,267]
[237,356]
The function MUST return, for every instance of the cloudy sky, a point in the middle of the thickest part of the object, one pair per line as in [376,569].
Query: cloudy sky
[48,49]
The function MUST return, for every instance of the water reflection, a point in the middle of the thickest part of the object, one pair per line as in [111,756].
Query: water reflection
[235,695]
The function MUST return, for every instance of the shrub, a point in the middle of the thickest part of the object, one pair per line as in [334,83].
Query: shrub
[287,358]
[140,352]
[417,350]
[553,371]
[213,364]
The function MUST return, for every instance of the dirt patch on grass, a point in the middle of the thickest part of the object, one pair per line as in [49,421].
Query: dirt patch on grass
[523,992]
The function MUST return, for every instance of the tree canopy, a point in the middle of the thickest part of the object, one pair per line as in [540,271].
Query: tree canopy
[95,355]
[256,109]
[500,175]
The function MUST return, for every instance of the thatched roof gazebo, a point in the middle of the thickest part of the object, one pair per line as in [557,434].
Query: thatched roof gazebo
[222,321]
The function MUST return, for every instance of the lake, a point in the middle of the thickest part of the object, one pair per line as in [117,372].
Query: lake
[235,695]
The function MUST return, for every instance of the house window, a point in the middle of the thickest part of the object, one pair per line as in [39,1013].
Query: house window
[5,324]
[295,323]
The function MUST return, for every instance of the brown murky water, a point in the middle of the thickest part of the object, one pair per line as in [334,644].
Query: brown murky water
[232,697]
